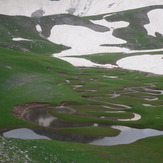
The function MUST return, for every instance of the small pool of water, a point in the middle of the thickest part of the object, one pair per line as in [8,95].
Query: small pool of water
[23,133]
[41,117]
[127,136]
[52,124]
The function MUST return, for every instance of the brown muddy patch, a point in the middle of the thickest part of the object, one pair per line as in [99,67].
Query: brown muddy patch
[20,110]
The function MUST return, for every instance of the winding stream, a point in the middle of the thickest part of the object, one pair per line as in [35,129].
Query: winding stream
[41,117]
[51,124]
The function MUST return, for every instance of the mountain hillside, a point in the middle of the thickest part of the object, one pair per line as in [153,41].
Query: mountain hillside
[84,77]
[76,7]
[63,35]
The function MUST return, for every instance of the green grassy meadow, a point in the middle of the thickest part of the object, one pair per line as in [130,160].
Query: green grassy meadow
[27,78]
[88,96]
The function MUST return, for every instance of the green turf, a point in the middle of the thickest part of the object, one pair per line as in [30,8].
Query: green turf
[28,77]
[147,150]
[91,131]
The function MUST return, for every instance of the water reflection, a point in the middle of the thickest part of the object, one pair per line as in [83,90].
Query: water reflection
[50,134]
[41,117]
[23,133]
[56,135]
[127,136]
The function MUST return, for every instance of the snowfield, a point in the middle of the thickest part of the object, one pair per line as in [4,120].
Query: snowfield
[76,7]
[111,25]
[83,40]
[156,22]
[145,63]
[38,28]
[20,39]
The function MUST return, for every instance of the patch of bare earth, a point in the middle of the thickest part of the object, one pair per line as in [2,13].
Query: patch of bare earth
[20,110]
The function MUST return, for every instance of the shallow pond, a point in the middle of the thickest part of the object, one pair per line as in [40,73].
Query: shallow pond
[23,133]
[127,136]
[43,118]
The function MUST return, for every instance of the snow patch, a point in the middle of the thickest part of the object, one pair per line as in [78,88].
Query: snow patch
[20,39]
[38,28]
[76,7]
[83,40]
[156,22]
[145,63]
[112,25]
[111,77]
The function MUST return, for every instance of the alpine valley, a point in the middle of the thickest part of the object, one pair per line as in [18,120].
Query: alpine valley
[81,81]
